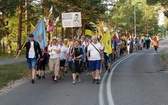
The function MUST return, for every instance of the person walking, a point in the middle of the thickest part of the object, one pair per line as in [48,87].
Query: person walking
[148,42]
[128,45]
[42,64]
[32,50]
[54,61]
[95,55]
[77,60]
[63,58]
[155,44]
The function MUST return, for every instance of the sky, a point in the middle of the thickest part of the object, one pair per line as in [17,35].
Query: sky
[161,17]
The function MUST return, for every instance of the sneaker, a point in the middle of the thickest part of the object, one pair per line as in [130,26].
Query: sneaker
[88,74]
[55,81]
[97,81]
[93,81]
[59,78]
[73,82]
[32,81]
[79,80]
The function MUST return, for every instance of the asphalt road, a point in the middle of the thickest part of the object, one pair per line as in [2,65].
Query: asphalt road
[135,79]
[139,80]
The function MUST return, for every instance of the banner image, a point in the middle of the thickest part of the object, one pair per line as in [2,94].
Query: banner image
[72,19]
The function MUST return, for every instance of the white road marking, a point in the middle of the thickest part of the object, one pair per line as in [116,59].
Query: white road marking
[108,87]
[101,89]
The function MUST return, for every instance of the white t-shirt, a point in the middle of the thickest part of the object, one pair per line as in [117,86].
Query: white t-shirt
[52,53]
[63,51]
[31,50]
[68,52]
[94,54]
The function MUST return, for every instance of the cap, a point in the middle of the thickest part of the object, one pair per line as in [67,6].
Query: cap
[31,35]
[54,38]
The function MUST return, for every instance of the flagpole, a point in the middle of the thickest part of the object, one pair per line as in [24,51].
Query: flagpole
[19,52]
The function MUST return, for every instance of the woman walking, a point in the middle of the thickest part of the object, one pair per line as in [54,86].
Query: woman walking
[155,44]
[77,60]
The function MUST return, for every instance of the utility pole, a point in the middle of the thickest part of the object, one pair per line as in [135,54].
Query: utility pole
[20,23]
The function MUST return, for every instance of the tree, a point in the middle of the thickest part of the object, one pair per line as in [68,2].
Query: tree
[163,3]
[123,16]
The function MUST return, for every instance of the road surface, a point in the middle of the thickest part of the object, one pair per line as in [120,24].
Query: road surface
[135,79]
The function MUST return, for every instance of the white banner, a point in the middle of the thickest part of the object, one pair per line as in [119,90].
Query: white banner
[72,19]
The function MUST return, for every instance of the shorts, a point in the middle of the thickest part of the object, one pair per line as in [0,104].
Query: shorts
[41,65]
[108,59]
[94,65]
[70,65]
[31,63]
[62,63]
[77,67]
[155,47]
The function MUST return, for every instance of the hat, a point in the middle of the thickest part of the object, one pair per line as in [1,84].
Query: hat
[31,35]
[54,38]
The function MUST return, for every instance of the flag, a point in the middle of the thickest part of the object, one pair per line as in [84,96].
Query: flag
[51,10]
[31,27]
[106,41]
[89,31]
[116,38]
[56,20]
[45,20]
[40,34]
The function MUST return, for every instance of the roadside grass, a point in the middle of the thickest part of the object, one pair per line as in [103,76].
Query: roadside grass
[8,56]
[164,58]
[12,72]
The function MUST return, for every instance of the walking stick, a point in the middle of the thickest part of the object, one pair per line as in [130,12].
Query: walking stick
[19,52]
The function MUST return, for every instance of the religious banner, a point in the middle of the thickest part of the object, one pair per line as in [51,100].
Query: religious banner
[72,19]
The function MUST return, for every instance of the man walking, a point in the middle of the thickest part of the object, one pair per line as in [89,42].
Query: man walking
[54,61]
[32,50]
[95,55]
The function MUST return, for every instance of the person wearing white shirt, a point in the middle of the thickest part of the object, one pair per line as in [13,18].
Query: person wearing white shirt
[128,45]
[95,55]
[32,50]
[54,61]
[63,58]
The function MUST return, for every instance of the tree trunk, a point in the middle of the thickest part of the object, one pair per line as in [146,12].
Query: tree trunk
[26,16]
[19,25]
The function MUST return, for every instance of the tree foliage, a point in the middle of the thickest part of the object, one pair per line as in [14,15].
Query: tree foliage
[123,16]
[163,3]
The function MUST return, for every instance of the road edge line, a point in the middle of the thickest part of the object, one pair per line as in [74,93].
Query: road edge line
[108,86]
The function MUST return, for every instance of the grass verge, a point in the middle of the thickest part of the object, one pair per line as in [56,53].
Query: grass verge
[12,72]
[8,56]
